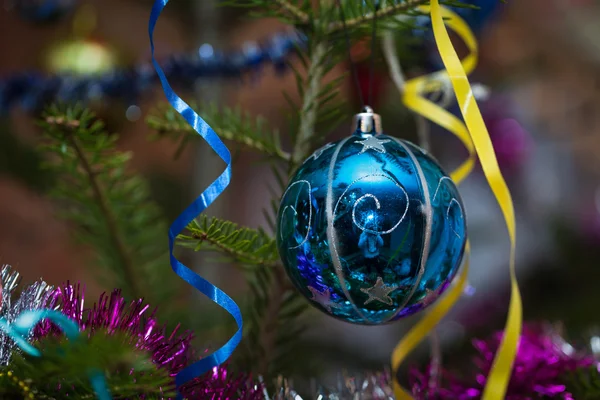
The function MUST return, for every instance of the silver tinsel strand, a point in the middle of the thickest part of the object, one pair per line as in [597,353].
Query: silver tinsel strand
[375,386]
[32,297]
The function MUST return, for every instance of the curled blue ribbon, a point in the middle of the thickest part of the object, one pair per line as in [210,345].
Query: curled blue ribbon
[198,206]
[19,330]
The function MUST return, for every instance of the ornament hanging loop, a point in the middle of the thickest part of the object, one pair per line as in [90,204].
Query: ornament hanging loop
[367,123]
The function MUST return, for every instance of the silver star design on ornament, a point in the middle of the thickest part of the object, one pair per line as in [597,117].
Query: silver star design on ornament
[372,143]
[323,298]
[380,292]
[318,153]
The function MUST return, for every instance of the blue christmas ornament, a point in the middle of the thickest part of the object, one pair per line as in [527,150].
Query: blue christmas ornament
[370,229]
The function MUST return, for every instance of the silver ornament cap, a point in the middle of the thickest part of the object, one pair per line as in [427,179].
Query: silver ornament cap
[367,123]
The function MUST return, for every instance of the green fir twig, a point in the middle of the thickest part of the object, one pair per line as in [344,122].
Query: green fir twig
[63,371]
[284,10]
[310,103]
[230,124]
[300,16]
[393,9]
[274,328]
[110,208]
[326,17]
[244,246]
[584,383]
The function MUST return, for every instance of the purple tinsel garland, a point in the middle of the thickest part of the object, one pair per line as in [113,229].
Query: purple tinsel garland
[543,358]
[172,351]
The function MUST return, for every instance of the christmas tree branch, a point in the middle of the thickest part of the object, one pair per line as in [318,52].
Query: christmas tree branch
[63,371]
[390,10]
[393,8]
[111,208]
[243,245]
[310,104]
[300,16]
[114,234]
[272,329]
[268,333]
[584,383]
[99,195]
[285,10]
[274,325]
[387,11]
[231,124]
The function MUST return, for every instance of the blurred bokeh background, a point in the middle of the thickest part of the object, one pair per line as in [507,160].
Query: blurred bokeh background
[539,58]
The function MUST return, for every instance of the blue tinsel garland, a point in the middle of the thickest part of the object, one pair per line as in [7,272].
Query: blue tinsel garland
[32,90]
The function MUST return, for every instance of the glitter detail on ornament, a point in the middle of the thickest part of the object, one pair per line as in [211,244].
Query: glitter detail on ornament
[354,224]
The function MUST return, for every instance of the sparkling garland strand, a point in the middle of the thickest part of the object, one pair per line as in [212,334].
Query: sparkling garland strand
[32,297]
[32,90]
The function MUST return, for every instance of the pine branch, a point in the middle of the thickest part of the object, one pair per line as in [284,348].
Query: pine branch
[300,16]
[584,384]
[310,104]
[268,329]
[230,124]
[110,208]
[63,370]
[273,329]
[243,245]
[114,234]
[359,13]
[284,10]
[386,11]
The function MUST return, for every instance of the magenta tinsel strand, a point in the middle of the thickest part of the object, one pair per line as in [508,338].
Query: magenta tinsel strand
[170,351]
[69,300]
[216,385]
[542,360]
[540,364]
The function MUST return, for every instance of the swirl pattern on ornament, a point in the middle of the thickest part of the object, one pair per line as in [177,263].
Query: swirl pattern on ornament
[283,212]
[452,201]
[437,189]
[377,204]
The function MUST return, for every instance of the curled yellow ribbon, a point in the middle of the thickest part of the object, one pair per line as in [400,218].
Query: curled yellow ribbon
[476,139]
